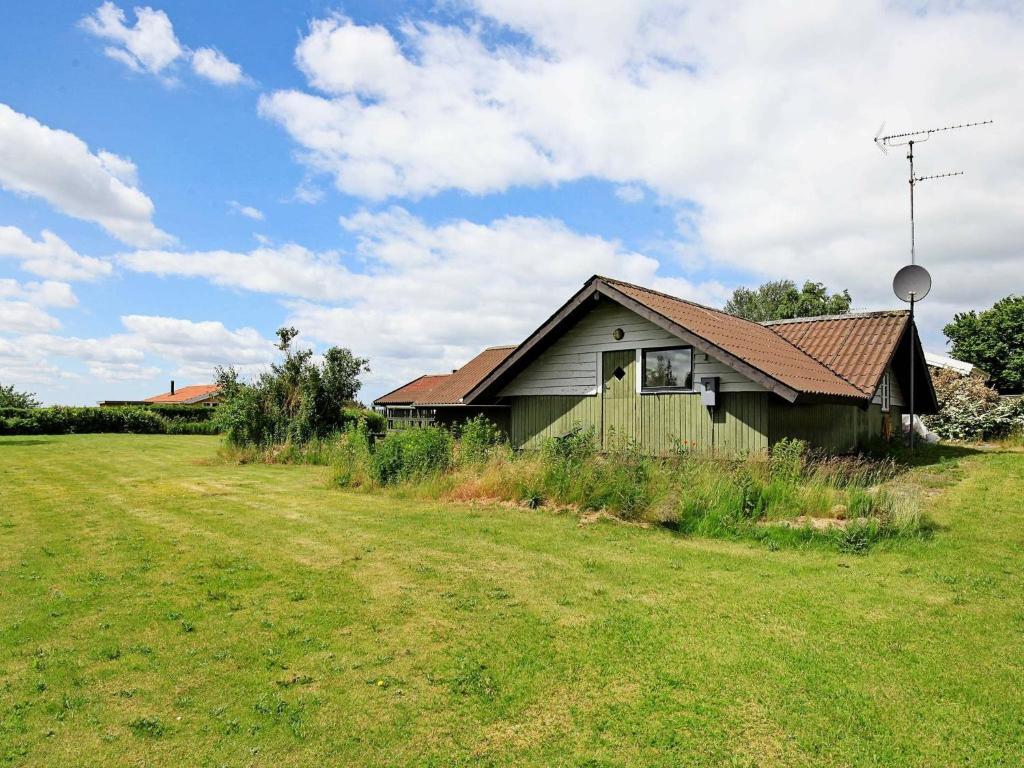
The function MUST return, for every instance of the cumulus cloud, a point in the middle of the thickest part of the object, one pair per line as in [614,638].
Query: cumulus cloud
[122,371]
[58,167]
[246,210]
[149,346]
[23,306]
[50,256]
[196,348]
[418,297]
[754,120]
[289,270]
[150,45]
[216,67]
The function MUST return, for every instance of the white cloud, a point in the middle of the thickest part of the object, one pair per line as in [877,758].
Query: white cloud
[246,210]
[151,46]
[753,119]
[417,297]
[23,306]
[629,193]
[289,270]
[50,257]
[149,348]
[216,67]
[58,167]
[122,371]
[199,346]
[48,293]
[148,46]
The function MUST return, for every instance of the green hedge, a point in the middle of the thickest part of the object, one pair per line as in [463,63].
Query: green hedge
[63,420]
[184,412]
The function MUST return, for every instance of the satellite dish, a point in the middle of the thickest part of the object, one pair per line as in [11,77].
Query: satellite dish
[912,283]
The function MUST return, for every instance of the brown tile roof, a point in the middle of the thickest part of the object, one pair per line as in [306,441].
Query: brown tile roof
[185,395]
[458,384]
[756,345]
[857,346]
[407,393]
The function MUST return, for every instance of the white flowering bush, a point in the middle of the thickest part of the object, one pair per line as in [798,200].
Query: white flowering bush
[969,409]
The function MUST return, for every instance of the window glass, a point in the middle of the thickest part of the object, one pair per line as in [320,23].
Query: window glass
[668,368]
[885,394]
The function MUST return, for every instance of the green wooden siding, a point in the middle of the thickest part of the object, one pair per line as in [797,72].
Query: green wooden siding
[744,422]
[537,417]
[835,427]
[659,422]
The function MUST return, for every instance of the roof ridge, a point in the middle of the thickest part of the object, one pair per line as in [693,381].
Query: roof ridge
[845,316]
[674,298]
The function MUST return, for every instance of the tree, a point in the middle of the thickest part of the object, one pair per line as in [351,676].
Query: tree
[780,300]
[11,398]
[297,399]
[993,340]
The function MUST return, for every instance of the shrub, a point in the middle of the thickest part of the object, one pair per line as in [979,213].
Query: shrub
[787,459]
[175,412]
[12,398]
[411,454]
[969,409]
[477,437]
[623,483]
[186,427]
[375,422]
[352,465]
[61,420]
[297,400]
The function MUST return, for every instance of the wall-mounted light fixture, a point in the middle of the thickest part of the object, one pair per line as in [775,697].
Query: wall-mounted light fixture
[618,333]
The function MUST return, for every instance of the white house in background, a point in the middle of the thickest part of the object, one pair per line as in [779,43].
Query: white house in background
[937,361]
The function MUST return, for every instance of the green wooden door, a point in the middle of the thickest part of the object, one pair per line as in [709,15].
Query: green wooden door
[620,409]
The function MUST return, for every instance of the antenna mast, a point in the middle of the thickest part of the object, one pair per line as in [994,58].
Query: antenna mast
[908,140]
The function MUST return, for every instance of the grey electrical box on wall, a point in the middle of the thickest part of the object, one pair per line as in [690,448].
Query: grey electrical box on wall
[709,391]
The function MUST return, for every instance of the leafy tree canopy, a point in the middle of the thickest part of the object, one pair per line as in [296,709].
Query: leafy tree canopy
[993,340]
[782,300]
[11,398]
[297,399]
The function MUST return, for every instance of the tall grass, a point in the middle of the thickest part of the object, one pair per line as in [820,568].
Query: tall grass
[787,496]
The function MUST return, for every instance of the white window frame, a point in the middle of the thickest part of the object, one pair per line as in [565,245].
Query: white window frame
[664,390]
[885,393]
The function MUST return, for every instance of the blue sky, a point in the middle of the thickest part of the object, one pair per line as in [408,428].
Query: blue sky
[427,179]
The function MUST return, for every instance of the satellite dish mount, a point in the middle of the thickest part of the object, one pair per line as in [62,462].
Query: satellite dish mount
[911,284]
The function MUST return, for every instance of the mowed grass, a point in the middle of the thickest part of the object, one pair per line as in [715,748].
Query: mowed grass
[160,608]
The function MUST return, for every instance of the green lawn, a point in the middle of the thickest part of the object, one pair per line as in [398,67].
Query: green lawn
[160,608]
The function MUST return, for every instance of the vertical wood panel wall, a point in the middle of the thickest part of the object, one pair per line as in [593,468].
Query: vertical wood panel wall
[745,422]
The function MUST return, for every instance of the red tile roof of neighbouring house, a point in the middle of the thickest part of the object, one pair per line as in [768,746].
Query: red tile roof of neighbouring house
[407,393]
[455,386]
[447,388]
[186,395]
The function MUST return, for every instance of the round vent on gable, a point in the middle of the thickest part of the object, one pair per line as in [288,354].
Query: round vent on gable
[618,333]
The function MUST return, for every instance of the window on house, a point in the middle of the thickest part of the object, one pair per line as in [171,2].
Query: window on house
[884,392]
[668,369]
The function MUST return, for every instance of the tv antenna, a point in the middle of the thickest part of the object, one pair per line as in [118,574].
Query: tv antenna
[908,140]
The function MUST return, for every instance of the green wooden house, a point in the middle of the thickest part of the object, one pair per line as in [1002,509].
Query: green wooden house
[636,364]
